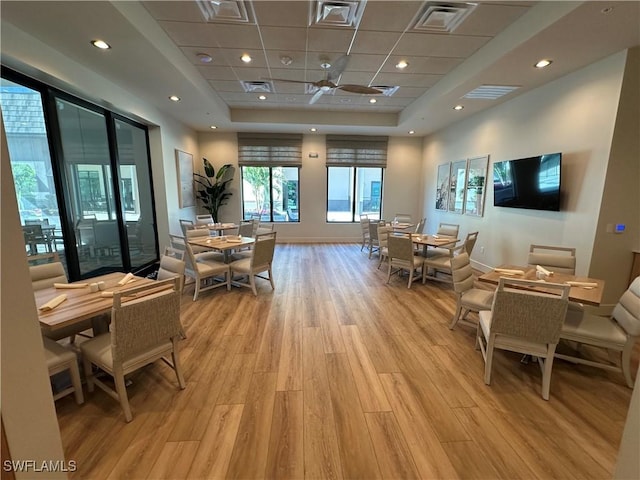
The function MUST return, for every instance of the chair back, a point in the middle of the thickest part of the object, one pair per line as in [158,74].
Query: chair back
[263,250]
[403,218]
[45,275]
[364,222]
[448,230]
[462,273]
[185,225]
[420,226]
[627,312]
[383,235]
[245,228]
[400,247]
[151,319]
[530,315]
[373,229]
[204,219]
[172,266]
[556,259]
[470,242]
[176,242]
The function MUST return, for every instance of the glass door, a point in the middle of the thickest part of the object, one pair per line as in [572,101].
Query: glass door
[89,186]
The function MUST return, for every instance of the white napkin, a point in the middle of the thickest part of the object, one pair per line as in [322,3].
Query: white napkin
[106,294]
[543,270]
[127,278]
[582,284]
[70,285]
[53,303]
[508,271]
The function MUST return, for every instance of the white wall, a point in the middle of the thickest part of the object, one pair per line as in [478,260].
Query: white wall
[401,189]
[574,115]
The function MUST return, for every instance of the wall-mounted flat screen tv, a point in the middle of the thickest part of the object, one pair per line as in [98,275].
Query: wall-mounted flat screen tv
[532,183]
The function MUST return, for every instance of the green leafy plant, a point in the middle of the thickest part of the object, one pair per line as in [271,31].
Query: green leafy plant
[213,193]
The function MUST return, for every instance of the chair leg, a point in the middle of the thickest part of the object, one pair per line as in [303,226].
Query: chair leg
[88,373]
[252,282]
[456,316]
[197,291]
[389,272]
[121,389]
[175,356]
[76,382]
[625,363]
[273,287]
[547,365]
[489,361]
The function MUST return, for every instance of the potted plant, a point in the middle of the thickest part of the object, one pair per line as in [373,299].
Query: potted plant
[213,193]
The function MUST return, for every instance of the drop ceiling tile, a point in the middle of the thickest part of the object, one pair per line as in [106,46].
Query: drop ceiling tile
[281,38]
[175,10]
[329,40]
[388,16]
[282,13]
[489,20]
[215,72]
[212,35]
[375,42]
[440,45]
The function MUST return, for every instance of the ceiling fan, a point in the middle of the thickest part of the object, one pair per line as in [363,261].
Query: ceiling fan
[334,70]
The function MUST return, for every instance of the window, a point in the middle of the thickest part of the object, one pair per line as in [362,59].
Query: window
[83,179]
[355,166]
[270,167]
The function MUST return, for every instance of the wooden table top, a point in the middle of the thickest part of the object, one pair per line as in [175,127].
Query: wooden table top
[81,303]
[221,243]
[592,296]
[433,241]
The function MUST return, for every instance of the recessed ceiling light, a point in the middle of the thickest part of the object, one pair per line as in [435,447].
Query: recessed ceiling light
[213,127]
[262,97]
[101,44]
[402,64]
[174,98]
[313,129]
[411,132]
[458,107]
[543,63]
[372,100]
[204,58]
[246,58]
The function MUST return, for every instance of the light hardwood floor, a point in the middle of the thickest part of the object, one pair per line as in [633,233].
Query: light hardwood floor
[336,374]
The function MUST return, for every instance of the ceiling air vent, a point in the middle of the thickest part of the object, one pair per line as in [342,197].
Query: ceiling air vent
[226,11]
[386,90]
[442,17]
[257,86]
[333,13]
[490,92]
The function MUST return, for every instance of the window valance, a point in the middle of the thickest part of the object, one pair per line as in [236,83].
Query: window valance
[356,150]
[269,150]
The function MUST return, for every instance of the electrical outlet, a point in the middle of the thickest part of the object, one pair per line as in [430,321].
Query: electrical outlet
[481,249]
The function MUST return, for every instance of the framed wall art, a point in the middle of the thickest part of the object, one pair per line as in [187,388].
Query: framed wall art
[457,185]
[184,165]
[442,186]
[476,185]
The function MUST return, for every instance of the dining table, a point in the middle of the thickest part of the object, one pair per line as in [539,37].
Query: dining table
[224,244]
[81,302]
[585,290]
[435,241]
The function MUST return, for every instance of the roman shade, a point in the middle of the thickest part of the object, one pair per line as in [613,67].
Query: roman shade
[269,150]
[356,151]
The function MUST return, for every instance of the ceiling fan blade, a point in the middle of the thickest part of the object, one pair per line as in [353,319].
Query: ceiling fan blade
[285,80]
[316,96]
[359,89]
[337,67]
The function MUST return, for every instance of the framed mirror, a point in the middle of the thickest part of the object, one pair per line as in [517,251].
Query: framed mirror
[442,186]
[476,185]
[457,186]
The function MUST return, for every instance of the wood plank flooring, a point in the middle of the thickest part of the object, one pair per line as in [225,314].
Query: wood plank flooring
[337,375]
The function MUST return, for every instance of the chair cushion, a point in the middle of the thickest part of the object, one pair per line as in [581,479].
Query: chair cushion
[98,351]
[242,265]
[478,299]
[55,354]
[510,343]
[206,268]
[587,328]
